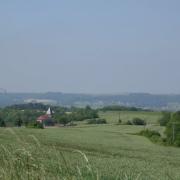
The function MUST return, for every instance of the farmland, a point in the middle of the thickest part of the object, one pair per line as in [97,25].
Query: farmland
[113,116]
[87,152]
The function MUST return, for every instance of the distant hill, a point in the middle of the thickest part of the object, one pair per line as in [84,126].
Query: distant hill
[142,100]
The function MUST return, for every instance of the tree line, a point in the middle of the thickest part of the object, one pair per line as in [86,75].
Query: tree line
[27,114]
[171,122]
[121,108]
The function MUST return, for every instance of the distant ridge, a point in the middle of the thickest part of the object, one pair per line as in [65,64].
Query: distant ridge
[143,100]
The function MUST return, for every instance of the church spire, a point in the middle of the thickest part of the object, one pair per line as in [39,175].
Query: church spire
[49,112]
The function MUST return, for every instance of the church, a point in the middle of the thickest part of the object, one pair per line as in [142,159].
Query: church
[46,119]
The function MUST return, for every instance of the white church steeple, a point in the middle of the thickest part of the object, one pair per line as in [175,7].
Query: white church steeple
[49,112]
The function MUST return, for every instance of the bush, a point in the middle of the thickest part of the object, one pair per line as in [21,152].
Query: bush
[38,125]
[71,124]
[149,133]
[138,121]
[119,121]
[152,135]
[2,123]
[97,121]
[128,123]
[165,118]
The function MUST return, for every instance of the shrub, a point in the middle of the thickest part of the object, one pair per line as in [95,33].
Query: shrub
[163,121]
[149,133]
[71,124]
[152,135]
[119,121]
[97,121]
[138,121]
[38,125]
[2,123]
[128,123]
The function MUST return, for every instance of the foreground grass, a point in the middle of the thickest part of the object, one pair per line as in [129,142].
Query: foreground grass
[96,152]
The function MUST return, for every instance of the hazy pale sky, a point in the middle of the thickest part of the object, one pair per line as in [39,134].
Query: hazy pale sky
[96,46]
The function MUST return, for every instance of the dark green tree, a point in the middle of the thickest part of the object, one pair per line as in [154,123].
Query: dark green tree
[63,119]
[18,120]
[173,129]
[2,122]
[166,117]
[138,121]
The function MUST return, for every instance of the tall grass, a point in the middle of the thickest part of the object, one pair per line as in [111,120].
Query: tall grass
[28,161]
[25,156]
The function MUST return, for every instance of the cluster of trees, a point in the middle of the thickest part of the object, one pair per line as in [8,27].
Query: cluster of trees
[121,108]
[166,116]
[75,114]
[29,106]
[37,107]
[171,122]
[136,121]
[173,129]
[97,121]
[13,117]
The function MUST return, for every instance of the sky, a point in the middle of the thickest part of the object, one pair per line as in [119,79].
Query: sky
[96,46]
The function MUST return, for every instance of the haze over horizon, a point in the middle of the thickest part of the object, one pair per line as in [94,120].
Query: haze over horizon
[90,46]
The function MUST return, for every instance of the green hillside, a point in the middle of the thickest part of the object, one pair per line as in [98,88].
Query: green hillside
[89,152]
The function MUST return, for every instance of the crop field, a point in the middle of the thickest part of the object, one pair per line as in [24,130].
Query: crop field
[91,152]
[111,151]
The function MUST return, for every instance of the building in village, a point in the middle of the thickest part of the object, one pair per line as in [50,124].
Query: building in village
[46,119]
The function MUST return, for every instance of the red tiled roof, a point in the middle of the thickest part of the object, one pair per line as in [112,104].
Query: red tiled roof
[43,117]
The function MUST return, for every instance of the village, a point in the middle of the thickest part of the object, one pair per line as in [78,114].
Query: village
[37,115]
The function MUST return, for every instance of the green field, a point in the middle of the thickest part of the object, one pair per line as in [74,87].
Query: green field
[87,152]
[113,116]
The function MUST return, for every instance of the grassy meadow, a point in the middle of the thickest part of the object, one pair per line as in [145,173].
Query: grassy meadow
[113,116]
[87,152]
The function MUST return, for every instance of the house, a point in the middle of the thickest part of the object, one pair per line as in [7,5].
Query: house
[46,119]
